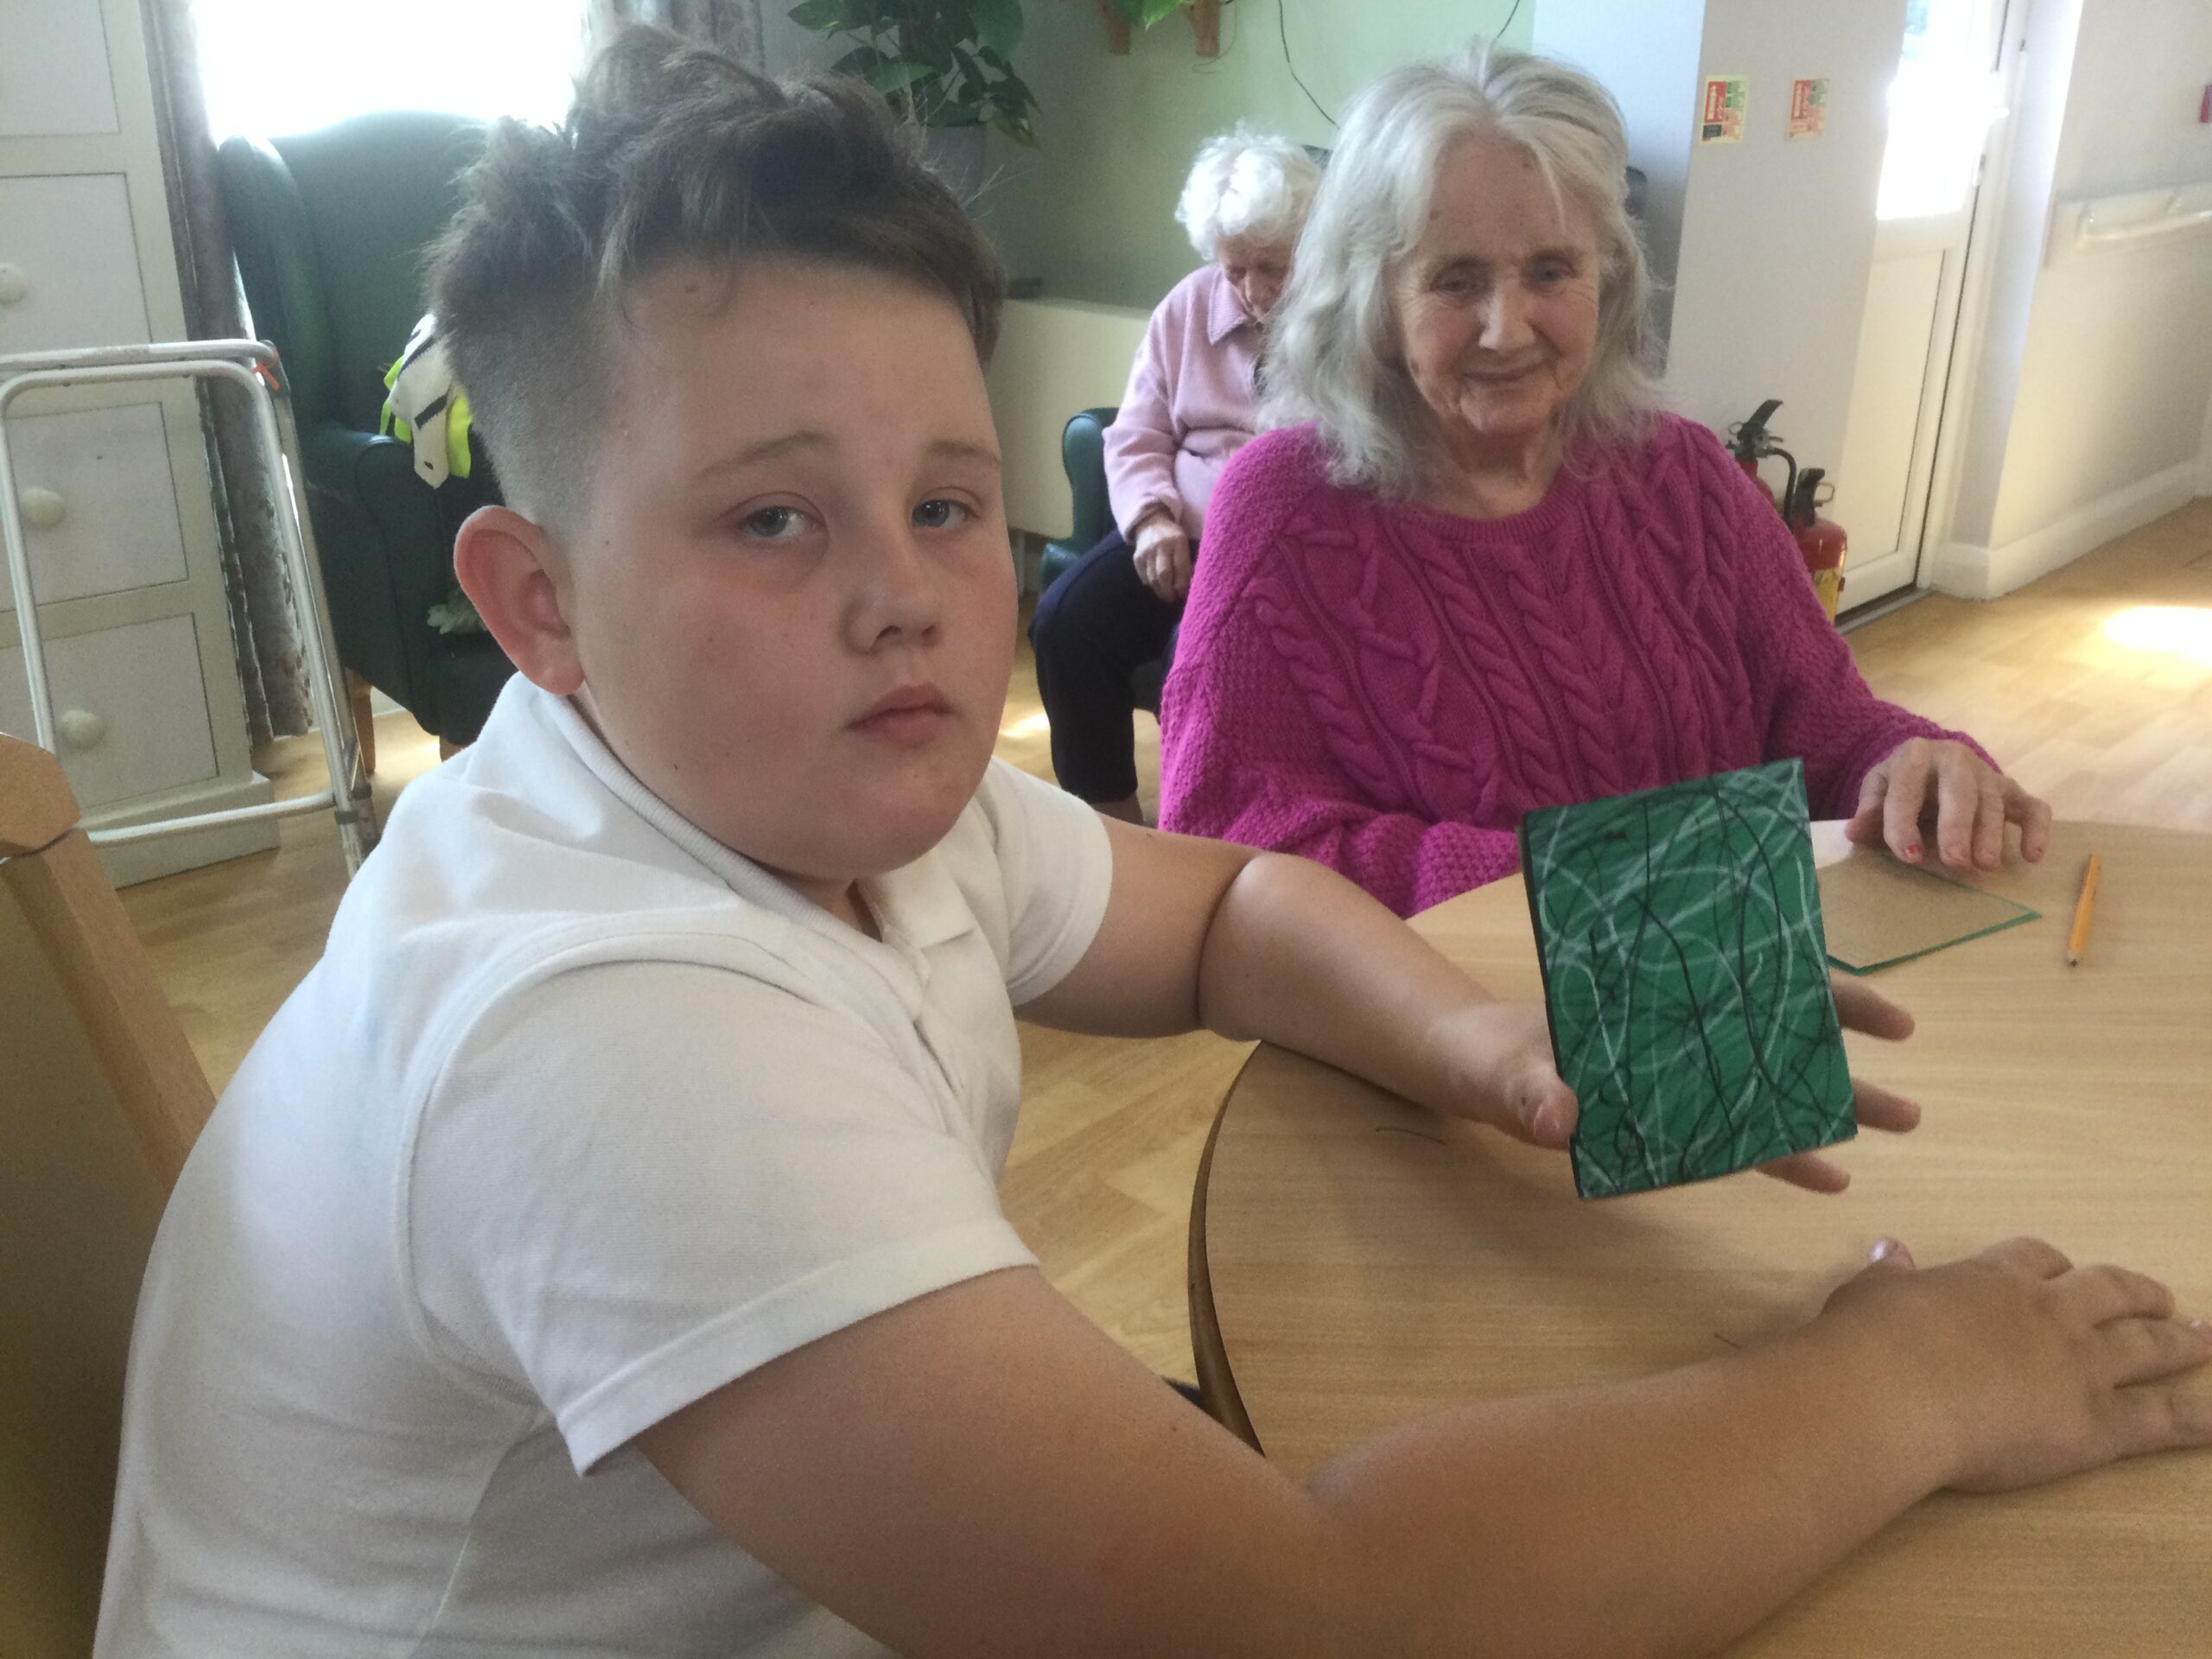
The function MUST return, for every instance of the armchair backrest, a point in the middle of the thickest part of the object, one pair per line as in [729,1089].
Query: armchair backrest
[1083,452]
[330,228]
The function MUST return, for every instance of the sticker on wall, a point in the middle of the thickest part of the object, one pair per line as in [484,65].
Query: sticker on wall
[1809,107]
[1721,121]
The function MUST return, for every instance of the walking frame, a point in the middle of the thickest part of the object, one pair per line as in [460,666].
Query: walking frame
[253,366]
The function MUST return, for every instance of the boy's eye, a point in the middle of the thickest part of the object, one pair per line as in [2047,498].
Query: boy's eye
[938,513]
[775,523]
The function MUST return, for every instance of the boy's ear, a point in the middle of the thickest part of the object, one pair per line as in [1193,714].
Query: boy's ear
[514,576]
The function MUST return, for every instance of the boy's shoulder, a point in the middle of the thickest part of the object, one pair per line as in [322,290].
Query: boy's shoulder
[534,854]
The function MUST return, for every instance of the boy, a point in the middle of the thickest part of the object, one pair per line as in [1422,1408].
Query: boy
[600,1253]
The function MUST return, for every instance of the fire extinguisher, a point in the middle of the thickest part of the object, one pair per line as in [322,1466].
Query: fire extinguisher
[1820,540]
[1750,442]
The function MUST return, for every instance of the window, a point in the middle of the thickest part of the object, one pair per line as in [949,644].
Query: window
[290,65]
[1942,104]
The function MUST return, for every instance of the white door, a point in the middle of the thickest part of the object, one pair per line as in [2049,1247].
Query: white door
[1945,100]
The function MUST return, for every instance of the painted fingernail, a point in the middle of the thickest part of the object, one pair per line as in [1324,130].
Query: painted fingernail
[1913,852]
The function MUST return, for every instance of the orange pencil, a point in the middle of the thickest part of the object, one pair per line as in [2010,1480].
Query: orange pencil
[2078,941]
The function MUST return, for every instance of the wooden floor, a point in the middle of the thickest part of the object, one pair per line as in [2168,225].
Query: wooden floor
[2093,686]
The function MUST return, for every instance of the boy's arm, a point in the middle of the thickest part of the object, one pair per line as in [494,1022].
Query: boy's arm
[981,1471]
[1265,945]
[1268,946]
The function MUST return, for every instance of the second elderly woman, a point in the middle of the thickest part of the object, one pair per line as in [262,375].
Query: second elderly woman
[1190,404]
[1476,571]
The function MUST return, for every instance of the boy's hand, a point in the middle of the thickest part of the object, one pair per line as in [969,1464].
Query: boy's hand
[1500,1057]
[2029,1367]
[1861,1009]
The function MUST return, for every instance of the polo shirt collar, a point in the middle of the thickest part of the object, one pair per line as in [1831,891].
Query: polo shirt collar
[920,905]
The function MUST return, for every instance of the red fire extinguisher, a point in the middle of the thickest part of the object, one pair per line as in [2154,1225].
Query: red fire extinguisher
[1820,540]
[1750,442]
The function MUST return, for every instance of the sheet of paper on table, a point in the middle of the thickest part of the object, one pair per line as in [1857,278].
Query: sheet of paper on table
[1878,912]
[1685,978]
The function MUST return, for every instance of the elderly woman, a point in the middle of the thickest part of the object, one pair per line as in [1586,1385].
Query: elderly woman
[1482,573]
[1189,407]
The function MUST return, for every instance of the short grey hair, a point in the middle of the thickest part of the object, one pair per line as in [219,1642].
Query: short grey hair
[1334,359]
[1247,183]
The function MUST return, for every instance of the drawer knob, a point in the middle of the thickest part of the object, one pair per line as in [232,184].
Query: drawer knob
[81,728]
[43,509]
[13,284]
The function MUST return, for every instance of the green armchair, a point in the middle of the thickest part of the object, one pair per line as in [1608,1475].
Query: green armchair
[1083,452]
[330,227]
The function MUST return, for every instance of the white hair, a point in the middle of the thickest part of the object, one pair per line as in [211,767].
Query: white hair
[1247,183]
[1334,359]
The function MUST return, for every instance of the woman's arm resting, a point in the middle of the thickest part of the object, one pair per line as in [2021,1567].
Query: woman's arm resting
[1934,788]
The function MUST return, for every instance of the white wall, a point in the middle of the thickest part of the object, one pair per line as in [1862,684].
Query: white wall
[2090,413]
[2204,456]
[1767,243]
[1054,358]
[1647,57]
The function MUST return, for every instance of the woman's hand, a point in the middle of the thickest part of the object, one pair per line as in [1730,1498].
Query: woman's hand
[1162,553]
[1501,1055]
[2030,1367]
[1945,790]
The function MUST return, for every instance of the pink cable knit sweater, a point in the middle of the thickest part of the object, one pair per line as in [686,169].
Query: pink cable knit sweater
[1387,688]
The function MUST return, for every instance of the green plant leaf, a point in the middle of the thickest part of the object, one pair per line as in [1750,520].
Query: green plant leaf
[821,15]
[1145,13]
[998,24]
[899,74]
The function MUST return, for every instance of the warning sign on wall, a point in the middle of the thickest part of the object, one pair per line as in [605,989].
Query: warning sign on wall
[1809,107]
[1721,121]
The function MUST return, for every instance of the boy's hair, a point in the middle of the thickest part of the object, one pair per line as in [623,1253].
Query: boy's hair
[671,151]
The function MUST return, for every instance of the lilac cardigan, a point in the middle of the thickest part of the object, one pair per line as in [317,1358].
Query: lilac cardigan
[1387,688]
[1189,406]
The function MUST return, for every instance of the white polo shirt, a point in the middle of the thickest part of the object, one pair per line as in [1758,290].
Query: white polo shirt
[580,1117]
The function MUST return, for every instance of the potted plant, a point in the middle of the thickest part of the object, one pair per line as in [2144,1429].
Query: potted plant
[948,63]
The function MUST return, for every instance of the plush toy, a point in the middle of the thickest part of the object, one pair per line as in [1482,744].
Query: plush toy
[425,406]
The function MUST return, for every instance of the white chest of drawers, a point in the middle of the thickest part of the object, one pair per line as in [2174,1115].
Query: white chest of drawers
[113,482]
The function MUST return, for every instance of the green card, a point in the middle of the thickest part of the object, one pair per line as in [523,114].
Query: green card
[1686,979]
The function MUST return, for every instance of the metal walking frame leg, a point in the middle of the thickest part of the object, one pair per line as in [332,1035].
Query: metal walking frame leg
[253,366]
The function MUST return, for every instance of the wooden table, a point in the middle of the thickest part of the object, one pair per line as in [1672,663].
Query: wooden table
[1356,1262]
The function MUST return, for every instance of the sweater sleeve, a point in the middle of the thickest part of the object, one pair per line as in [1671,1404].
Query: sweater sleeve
[1244,754]
[1812,700]
[1141,444]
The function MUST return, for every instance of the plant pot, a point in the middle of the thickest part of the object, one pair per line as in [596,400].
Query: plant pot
[956,154]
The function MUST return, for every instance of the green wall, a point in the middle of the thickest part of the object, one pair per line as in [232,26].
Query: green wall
[1091,210]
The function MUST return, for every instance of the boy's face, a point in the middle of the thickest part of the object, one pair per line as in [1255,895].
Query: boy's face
[792,601]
